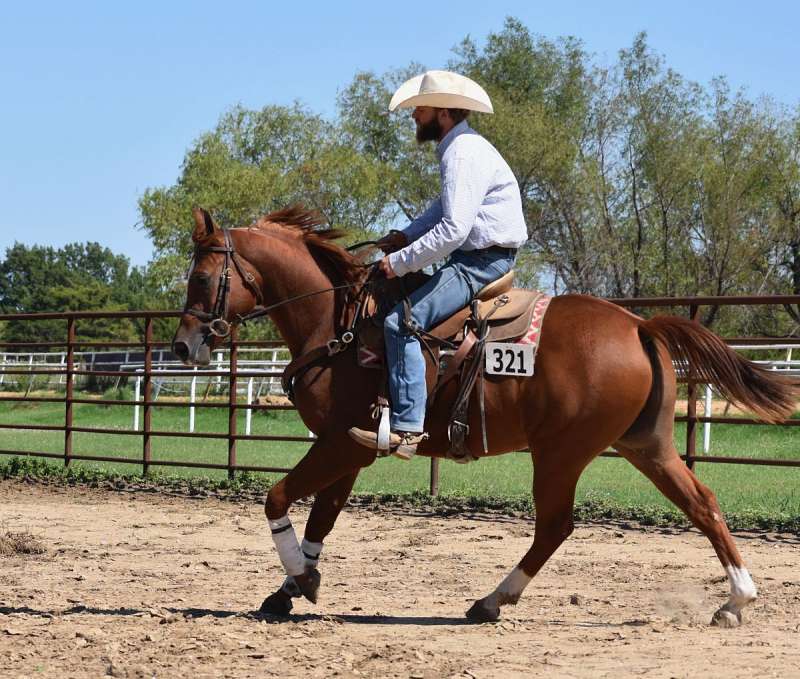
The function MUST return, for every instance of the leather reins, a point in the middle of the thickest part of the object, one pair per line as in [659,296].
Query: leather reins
[218,324]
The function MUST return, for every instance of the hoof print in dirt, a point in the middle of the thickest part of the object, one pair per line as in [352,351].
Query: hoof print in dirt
[479,612]
[277,604]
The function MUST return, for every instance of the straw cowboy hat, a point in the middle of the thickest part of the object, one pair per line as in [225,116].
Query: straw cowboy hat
[441,89]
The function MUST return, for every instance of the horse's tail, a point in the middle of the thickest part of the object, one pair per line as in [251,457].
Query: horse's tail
[744,383]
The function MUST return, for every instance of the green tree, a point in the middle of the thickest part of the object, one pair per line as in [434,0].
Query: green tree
[540,92]
[77,277]
[254,162]
[782,158]
[634,180]
[409,170]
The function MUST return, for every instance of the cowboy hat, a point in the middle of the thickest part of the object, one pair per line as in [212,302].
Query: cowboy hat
[441,89]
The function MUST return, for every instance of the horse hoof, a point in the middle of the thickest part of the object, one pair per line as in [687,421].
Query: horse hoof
[279,604]
[726,620]
[309,584]
[480,612]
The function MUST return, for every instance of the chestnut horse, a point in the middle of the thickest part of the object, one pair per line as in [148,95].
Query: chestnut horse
[604,377]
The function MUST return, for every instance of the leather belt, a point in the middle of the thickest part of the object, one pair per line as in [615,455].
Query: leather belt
[495,249]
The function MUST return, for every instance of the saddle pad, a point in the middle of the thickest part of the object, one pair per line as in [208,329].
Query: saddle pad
[370,345]
[534,333]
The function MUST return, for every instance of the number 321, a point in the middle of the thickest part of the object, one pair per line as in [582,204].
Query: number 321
[509,361]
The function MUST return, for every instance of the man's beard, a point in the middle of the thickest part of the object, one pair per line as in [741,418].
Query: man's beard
[430,131]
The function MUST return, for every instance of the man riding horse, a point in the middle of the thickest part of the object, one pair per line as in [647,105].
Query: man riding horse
[477,223]
[604,377]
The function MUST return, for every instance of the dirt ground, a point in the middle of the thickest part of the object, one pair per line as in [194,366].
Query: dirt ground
[142,585]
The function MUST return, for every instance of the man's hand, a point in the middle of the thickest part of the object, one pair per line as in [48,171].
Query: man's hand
[386,268]
[392,242]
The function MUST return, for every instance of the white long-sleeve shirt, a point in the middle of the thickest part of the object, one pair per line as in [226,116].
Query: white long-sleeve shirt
[480,205]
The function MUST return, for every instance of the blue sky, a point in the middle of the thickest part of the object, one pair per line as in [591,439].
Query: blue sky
[101,100]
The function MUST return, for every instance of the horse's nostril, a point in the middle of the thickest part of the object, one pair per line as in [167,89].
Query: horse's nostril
[181,350]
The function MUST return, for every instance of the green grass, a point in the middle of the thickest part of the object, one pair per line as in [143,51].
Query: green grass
[761,493]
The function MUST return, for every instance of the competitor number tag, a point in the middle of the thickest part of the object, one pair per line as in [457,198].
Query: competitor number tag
[509,358]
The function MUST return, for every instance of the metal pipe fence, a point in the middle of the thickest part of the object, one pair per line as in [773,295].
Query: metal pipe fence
[72,365]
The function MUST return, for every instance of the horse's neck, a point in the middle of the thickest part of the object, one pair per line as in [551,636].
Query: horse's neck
[289,271]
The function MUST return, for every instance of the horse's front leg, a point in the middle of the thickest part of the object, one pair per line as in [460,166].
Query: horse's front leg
[324,512]
[331,474]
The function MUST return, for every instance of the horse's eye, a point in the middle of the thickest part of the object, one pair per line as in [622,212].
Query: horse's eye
[202,280]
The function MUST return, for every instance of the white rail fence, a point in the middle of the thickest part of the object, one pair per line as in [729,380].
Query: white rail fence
[269,361]
[787,366]
[251,360]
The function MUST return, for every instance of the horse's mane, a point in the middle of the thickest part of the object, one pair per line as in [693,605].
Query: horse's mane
[304,222]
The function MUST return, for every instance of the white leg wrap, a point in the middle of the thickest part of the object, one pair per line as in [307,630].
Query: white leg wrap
[309,549]
[743,590]
[311,552]
[286,543]
[510,590]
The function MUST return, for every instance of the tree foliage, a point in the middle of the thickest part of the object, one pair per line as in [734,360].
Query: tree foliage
[634,180]
[77,277]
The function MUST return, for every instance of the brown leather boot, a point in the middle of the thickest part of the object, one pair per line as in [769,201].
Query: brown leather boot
[402,444]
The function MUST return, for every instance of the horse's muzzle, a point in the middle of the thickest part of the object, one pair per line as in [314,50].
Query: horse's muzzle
[191,348]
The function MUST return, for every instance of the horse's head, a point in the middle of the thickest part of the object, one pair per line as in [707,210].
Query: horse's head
[222,287]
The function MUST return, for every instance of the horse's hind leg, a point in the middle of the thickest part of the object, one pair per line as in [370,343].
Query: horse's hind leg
[554,482]
[666,470]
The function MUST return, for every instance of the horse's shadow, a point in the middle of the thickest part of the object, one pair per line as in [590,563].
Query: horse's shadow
[258,617]
[255,616]
[362,619]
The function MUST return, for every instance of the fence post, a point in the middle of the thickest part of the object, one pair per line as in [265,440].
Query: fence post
[233,367]
[69,393]
[707,425]
[434,476]
[249,412]
[691,404]
[31,378]
[148,393]
[137,392]
[192,396]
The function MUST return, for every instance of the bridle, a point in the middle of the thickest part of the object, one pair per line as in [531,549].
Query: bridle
[218,325]
[216,319]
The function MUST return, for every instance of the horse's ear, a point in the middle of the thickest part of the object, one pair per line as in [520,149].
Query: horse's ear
[203,224]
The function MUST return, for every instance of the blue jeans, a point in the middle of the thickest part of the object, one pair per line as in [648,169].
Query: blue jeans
[448,290]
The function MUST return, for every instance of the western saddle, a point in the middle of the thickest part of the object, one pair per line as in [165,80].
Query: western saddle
[456,346]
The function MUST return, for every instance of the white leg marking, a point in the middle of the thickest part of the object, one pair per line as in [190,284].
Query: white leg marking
[286,543]
[510,590]
[743,591]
